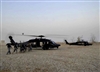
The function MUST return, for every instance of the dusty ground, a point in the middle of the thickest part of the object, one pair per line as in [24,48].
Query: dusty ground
[65,59]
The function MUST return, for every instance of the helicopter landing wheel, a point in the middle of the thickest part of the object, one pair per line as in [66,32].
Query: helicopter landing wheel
[57,47]
[45,47]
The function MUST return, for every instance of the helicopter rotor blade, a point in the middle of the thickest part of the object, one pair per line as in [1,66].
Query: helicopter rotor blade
[30,35]
[56,35]
[33,35]
[46,35]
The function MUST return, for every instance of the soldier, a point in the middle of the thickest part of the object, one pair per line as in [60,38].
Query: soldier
[15,48]
[9,47]
[22,47]
[30,47]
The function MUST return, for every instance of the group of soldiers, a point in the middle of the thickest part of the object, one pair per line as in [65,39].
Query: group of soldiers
[21,46]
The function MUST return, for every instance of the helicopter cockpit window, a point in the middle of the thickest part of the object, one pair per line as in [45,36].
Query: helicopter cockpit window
[53,42]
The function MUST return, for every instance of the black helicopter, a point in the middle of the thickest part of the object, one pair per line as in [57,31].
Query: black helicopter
[84,43]
[46,43]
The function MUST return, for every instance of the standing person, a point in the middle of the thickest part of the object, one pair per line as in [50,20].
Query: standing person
[15,48]
[9,47]
[29,47]
[22,47]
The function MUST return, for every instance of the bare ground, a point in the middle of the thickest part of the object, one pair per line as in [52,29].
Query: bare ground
[65,59]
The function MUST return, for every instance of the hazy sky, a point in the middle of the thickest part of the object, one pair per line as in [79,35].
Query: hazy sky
[73,18]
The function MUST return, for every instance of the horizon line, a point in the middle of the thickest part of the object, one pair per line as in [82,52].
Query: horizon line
[50,1]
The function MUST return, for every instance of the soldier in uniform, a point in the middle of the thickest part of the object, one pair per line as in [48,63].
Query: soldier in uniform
[15,48]
[30,47]
[9,47]
[22,47]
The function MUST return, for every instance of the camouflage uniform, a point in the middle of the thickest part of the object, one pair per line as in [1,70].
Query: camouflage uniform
[9,47]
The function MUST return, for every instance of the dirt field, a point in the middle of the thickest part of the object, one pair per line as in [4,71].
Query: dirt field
[65,59]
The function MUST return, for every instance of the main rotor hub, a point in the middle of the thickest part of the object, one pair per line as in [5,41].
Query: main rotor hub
[41,36]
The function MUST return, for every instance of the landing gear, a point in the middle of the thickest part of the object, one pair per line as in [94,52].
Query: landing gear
[85,43]
[45,47]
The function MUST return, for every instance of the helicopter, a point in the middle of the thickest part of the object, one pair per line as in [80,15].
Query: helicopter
[35,43]
[84,43]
